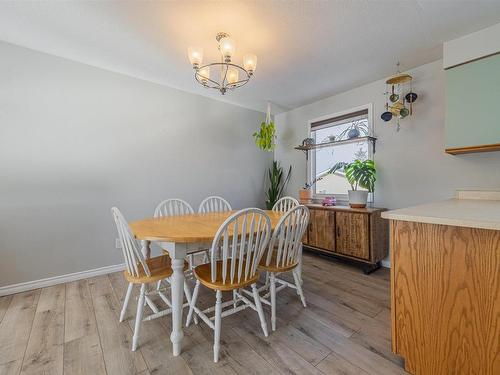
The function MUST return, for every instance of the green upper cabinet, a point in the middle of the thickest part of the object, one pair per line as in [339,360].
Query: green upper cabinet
[473,106]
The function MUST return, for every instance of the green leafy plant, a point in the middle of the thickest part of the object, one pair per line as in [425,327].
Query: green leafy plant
[265,137]
[359,174]
[277,184]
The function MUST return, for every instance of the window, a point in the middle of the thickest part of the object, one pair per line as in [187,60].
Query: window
[337,128]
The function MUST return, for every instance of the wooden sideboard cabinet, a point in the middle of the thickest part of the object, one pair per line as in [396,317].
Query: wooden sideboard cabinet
[355,233]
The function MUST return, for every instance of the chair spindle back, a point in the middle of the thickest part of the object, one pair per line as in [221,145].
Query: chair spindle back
[173,207]
[287,237]
[239,244]
[131,249]
[214,204]
[285,204]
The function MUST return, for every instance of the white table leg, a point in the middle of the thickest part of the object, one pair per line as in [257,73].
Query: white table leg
[146,249]
[177,254]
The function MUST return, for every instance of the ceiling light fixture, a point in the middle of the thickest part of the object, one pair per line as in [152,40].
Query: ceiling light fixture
[230,75]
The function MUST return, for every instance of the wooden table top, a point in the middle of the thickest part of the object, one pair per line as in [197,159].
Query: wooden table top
[194,228]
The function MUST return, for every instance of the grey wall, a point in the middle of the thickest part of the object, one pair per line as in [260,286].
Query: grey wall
[412,166]
[77,140]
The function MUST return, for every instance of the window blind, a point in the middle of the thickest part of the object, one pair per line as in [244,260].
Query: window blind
[339,120]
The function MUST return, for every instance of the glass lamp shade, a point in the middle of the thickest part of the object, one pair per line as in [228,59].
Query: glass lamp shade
[195,55]
[204,74]
[250,63]
[232,76]
[227,47]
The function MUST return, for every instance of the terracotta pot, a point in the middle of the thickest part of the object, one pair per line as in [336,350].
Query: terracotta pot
[305,196]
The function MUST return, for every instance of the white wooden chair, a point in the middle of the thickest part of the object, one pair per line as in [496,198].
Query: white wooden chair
[173,207]
[176,207]
[285,204]
[214,204]
[283,255]
[236,251]
[142,271]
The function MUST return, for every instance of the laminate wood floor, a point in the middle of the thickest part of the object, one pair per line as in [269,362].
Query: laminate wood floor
[73,328]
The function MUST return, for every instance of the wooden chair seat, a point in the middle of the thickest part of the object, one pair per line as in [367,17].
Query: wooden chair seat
[203,272]
[160,268]
[272,267]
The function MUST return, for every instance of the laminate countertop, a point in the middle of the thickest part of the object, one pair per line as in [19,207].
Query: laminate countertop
[467,209]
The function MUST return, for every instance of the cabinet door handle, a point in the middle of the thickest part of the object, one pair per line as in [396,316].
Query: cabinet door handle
[338,231]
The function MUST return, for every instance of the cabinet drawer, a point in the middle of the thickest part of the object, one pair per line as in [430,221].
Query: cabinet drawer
[352,235]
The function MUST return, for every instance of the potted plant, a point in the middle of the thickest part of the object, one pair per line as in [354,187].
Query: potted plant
[277,184]
[265,138]
[359,174]
[305,194]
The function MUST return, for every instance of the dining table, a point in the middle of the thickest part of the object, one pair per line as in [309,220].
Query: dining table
[182,235]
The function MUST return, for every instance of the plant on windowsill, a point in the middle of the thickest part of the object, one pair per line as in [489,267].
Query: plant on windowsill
[305,194]
[359,174]
[277,184]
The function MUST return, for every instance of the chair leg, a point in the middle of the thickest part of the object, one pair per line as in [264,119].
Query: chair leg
[234,298]
[193,303]
[138,317]
[298,284]
[191,261]
[260,311]
[272,281]
[299,267]
[218,313]
[158,285]
[267,278]
[206,257]
[187,293]
[125,301]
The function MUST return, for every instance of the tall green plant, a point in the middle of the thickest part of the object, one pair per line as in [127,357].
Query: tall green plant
[358,173]
[277,184]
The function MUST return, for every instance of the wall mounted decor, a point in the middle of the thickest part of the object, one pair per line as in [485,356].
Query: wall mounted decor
[399,97]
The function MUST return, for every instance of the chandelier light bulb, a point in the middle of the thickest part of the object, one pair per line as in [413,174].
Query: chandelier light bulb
[204,74]
[232,76]
[195,55]
[227,48]
[250,63]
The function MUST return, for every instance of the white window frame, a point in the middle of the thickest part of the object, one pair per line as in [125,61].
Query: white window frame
[311,160]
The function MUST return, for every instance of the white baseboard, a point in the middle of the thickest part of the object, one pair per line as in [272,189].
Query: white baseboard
[42,283]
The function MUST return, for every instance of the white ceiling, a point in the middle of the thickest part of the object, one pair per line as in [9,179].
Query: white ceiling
[306,50]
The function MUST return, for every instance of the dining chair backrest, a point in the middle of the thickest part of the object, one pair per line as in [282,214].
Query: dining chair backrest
[173,207]
[214,204]
[287,237]
[285,204]
[239,244]
[131,250]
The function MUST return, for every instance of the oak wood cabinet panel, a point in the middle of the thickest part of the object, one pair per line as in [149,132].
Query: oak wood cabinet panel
[445,297]
[355,233]
[352,235]
[322,229]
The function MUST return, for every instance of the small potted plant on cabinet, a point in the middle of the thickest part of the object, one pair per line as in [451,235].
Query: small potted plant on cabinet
[305,194]
[359,174]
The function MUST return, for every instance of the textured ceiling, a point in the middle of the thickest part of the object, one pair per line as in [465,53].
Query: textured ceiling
[306,50]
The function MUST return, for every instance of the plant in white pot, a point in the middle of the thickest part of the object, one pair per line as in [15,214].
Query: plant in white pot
[359,174]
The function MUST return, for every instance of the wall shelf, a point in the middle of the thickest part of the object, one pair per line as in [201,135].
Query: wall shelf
[308,148]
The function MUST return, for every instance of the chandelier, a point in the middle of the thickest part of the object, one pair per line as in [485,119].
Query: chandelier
[229,75]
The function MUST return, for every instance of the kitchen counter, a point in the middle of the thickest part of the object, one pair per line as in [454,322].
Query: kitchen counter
[473,209]
[445,285]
